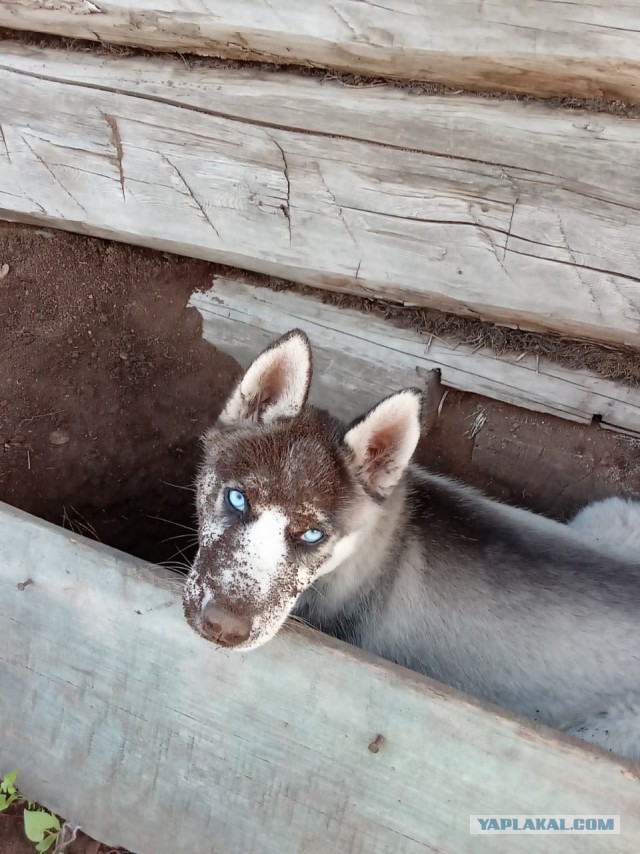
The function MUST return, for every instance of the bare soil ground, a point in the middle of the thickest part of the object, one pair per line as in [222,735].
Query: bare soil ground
[106,385]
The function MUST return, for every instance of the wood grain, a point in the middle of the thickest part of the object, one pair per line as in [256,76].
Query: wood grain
[122,719]
[360,358]
[516,213]
[543,48]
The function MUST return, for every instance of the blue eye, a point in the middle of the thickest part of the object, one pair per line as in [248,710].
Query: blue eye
[313,536]
[236,500]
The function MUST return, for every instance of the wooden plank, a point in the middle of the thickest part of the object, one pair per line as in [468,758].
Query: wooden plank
[372,358]
[186,750]
[290,182]
[543,48]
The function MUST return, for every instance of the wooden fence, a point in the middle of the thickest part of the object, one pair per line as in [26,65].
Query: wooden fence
[519,212]
[122,718]
[539,47]
[515,213]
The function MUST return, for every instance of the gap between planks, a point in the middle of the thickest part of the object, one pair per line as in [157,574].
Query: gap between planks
[544,48]
[360,358]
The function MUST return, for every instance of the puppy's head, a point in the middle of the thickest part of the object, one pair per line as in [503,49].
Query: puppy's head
[284,493]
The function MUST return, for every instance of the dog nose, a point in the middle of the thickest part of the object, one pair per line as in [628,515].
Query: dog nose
[223,627]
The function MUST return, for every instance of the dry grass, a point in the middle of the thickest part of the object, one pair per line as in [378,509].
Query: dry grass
[611,362]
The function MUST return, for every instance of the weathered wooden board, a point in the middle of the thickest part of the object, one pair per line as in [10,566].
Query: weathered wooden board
[360,358]
[184,749]
[548,47]
[288,181]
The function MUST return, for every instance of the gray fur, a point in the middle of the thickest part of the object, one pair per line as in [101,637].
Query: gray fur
[509,606]
[500,603]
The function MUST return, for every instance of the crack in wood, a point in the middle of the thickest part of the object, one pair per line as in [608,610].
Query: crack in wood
[573,263]
[261,123]
[457,222]
[426,220]
[387,8]
[339,208]
[53,175]
[588,287]
[191,193]
[487,235]
[339,15]
[111,158]
[84,151]
[130,179]
[486,232]
[276,14]
[601,26]
[625,276]
[286,208]
[4,142]
[514,203]
[509,227]
[565,185]
[5,212]
[522,171]
[92,171]
[572,256]
[116,139]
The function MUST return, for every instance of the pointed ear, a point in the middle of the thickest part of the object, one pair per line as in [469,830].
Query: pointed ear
[383,441]
[275,386]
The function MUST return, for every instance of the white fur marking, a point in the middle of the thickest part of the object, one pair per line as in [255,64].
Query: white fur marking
[261,553]
[342,551]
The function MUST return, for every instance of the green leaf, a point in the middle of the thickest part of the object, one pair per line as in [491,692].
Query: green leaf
[36,822]
[47,842]
[7,800]
[56,823]
[7,785]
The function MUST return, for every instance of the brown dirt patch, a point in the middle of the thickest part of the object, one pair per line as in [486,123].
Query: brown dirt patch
[105,386]
[546,464]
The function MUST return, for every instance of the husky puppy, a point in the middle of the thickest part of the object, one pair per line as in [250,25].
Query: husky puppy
[300,514]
